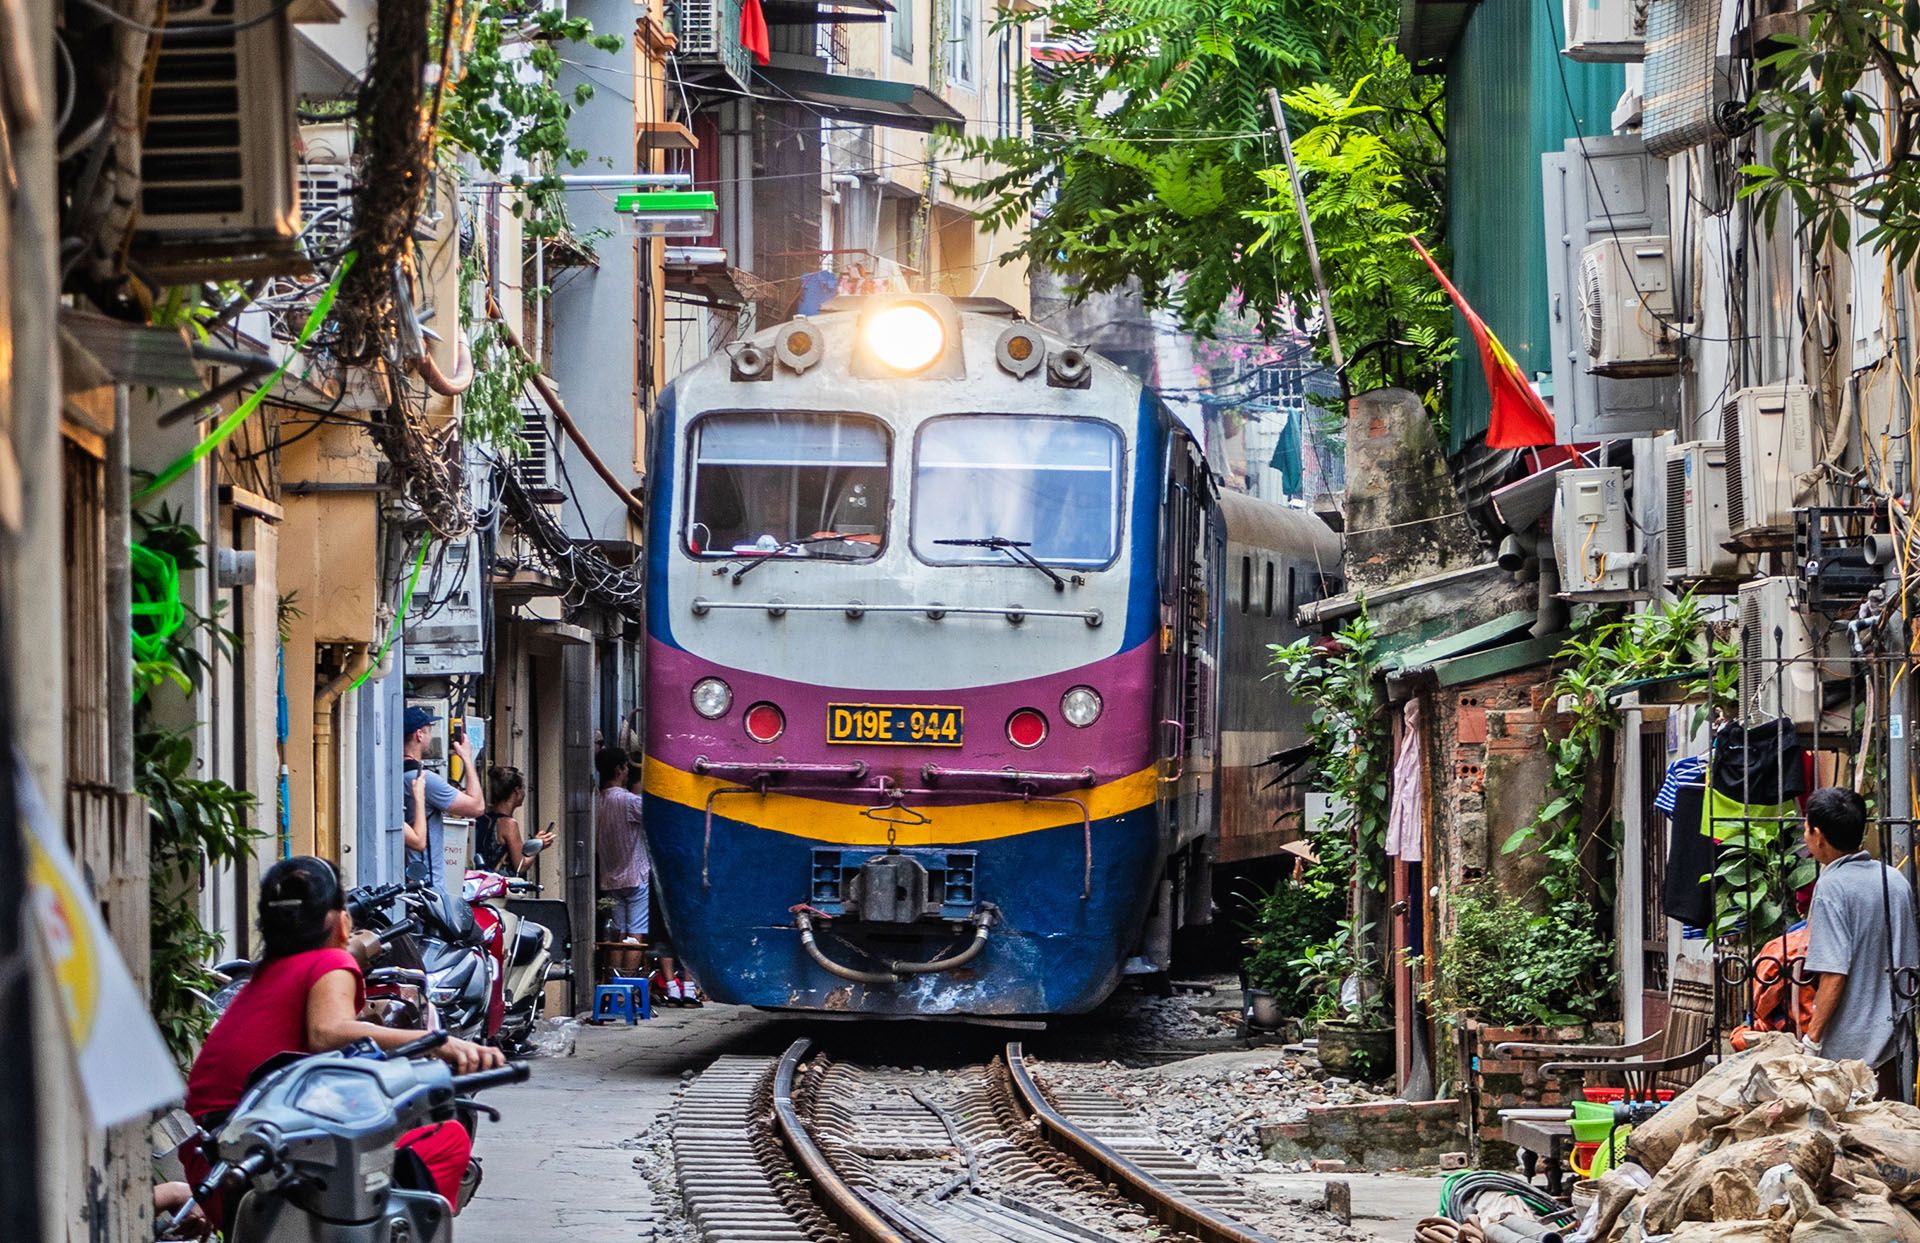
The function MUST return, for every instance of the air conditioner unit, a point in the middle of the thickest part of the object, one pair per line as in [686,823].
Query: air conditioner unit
[1590,534]
[1606,31]
[1697,514]
[217,159]
[1626,307]
[1769,438]
[537,469]
[326,187]
[1784,662]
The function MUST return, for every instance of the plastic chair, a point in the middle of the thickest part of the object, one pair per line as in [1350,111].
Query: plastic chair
[612,1001]
[642,985]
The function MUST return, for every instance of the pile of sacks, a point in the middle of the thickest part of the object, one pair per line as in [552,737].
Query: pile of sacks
[1771,1146]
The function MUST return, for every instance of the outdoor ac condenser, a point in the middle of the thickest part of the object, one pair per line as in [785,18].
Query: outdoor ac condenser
[217,158]
[1697,529]
[1626,307]
[1606,31]
[1783,661]
[1769,440]
[1590,534]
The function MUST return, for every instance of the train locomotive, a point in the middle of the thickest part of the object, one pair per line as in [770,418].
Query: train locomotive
[934,635]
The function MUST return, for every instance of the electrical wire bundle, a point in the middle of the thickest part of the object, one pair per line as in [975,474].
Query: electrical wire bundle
[590,577]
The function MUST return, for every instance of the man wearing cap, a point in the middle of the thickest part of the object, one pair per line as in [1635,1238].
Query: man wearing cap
[442,798]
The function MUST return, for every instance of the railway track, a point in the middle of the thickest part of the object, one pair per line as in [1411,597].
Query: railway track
[801,1147]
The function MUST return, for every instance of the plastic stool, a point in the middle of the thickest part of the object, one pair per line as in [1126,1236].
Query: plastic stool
[613,1000]
[642,985]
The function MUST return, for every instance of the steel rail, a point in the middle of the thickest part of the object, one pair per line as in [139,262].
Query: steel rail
[848,1209]
[1166,1203]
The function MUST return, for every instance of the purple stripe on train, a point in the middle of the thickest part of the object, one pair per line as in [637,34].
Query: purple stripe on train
[1119,743]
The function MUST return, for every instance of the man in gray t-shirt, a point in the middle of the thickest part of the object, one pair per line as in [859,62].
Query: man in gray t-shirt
[1860,930]
[423,862]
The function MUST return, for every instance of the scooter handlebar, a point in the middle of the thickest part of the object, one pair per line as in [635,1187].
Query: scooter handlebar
[480,1080]
[416,1048]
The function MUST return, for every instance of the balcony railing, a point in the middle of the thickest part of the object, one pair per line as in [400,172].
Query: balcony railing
[708,32]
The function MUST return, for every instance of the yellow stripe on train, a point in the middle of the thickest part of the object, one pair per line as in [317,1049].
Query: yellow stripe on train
[844,825]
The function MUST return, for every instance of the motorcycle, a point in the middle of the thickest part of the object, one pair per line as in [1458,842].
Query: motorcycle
[459,949]
[309,1150]
[525,953]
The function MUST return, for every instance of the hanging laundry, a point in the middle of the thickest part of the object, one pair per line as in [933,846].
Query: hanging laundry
[1287,458]
[1686,893]
[1405,818]
[1687,770]
[1762,763]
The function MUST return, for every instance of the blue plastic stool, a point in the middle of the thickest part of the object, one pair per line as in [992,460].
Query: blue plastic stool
[613,1001]
[642,985]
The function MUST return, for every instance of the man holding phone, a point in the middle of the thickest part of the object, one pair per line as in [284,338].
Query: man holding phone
[442,798]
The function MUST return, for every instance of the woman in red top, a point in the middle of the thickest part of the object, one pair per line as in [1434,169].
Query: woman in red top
[305,996]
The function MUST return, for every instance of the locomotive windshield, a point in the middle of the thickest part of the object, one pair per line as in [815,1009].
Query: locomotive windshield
[788,483]
[1050,484]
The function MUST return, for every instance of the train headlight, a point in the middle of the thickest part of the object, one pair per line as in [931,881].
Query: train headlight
[712,698]
[1081,706]
[906,337]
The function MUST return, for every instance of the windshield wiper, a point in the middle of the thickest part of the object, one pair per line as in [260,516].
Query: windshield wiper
[1017,549]
[785,549]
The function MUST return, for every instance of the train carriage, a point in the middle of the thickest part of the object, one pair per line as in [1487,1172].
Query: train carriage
[932,648]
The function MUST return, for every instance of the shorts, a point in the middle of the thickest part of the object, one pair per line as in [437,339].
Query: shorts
[629,911]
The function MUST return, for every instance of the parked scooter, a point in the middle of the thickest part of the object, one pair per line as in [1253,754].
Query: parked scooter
[525,951]
[309,1150]
[457,948]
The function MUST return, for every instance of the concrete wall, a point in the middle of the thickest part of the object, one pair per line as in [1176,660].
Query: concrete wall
[1404,517]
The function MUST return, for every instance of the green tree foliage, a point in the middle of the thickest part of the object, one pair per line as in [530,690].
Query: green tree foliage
[193,823]
[1352,749]
[1506,965]
[503,104]
[1841,105]
[1152,158]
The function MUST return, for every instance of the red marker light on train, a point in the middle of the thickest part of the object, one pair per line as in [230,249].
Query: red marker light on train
[765,722]
[1026,729]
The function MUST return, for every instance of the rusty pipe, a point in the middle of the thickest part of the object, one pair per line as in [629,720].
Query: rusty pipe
[439,381]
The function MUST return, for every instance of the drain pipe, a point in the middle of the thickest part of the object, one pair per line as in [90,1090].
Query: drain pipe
[326,823]
[1550,614]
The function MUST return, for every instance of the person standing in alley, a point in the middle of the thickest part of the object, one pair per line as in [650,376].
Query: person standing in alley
[442,798]
[1860,931]
[624,868]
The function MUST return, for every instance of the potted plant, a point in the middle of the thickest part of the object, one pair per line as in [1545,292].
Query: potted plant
[1355,1040]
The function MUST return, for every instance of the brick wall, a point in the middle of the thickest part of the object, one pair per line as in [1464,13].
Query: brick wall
[1380,1135]
[1495,1083]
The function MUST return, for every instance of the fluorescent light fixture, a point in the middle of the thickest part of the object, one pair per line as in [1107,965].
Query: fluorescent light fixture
[669,213]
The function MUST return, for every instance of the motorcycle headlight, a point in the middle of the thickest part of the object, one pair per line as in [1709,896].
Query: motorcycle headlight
[341,1096]
[1081,706]
[712,698]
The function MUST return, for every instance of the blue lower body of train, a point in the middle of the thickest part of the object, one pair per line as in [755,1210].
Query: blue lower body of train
[1051,950]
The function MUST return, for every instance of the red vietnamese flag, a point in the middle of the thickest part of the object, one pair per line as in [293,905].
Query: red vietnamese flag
[1520,420]
[753,31]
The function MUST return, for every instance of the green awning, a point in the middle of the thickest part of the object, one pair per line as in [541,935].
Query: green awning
[897,105]
[1433,651]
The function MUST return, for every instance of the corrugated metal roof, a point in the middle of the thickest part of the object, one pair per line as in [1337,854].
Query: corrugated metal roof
[1507,106]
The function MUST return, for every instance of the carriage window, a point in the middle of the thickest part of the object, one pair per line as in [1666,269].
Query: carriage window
[1269,589]
[1246,584]
[1053,484]
[813,484]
